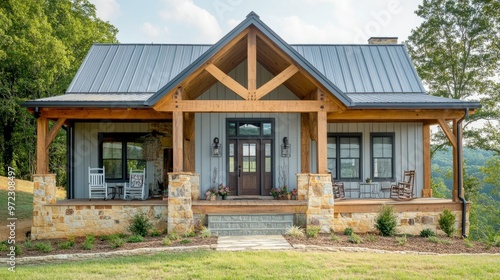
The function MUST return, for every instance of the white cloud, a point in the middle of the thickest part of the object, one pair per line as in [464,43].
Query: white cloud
[186,12]
[106,10]
[295,30]
[232,23]
[151,30]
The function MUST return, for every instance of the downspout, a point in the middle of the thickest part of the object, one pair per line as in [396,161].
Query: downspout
[460,172]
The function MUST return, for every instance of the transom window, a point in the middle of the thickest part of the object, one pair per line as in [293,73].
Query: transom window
[382,156]
[118,152]
[249,128]
[344,156]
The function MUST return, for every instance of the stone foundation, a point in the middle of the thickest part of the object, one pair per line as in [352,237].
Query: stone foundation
[407,222]
[317,190]
[180,218]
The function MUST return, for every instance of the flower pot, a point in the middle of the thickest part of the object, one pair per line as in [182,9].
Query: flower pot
[224,196]
[294,197]
[164,198]
[288,197]
[213,197]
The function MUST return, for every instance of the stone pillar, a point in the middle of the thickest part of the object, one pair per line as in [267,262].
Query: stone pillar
[180,213]
[317,191]
[195,186]
[44,193]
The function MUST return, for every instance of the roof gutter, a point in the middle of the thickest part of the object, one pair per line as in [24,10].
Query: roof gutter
[460,172]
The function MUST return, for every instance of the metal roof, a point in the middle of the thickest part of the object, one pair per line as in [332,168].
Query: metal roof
[92,100]
[407,100]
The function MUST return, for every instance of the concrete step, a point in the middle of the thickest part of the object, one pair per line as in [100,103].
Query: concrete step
[249,224]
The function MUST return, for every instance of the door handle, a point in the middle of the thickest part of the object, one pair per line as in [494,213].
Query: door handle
[239,171]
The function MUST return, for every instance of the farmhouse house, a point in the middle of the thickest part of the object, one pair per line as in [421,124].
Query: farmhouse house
[252,113]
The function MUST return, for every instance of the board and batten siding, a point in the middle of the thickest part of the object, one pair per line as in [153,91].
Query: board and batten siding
[86,151]
[408,138]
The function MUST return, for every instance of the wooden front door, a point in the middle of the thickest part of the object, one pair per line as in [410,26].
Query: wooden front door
[249,167]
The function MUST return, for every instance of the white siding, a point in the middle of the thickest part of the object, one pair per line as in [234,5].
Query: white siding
[86,150]
[408,147]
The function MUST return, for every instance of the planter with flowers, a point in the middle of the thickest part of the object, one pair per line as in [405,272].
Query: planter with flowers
[211,194]
[275,192]
[223,191]
[294,194]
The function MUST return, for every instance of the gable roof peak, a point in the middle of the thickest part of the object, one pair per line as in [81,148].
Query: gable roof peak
[253,14]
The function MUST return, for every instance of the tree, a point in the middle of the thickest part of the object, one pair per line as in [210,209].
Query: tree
[42,43]
[456,53]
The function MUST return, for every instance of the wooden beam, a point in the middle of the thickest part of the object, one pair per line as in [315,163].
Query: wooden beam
[448,132]
[235,106]
[456,158]
[322,143]
[276,81]
[427,190]
[42,157]
[177,140]
[53,132]
[392,114]
[252,60]
[313,126]
[106,114]
[189,142]
[305,144]
[226,80]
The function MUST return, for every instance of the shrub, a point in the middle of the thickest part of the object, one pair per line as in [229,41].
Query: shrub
[468,243]
[371,238]
[185,241]
[402,240]
[88,244]
[190,234]
[173,236]
[354,238]
[27,244]
[295,231]
[427,233]
[435,239]
[447,222]
[18,250]
[206,232]
[135,238]
[155,232]
[45,247]
[348,231]
[3,246]
[166,241]
[386,221]
[65,245]
[140,225]
[312,231]
[333,237]
[116,241]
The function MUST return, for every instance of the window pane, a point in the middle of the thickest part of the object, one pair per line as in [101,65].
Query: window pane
[112,150]
[382,157]
[267,129]
[332,167]
[332,147]
[253,149]
[268,164]
[253,164]
[231,149]
[349,168]
[113,168]
[231,164]
[246,164]
[134,150]
[231,129]
[249,129]
[135,164]
[246,150]
[382,168]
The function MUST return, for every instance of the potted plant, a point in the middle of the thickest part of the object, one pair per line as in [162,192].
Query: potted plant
[223,191]
[294,194]
[368,180]
[211,194]
[275,192]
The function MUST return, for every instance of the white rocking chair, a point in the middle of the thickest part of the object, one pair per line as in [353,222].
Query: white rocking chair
[98,188]
[135,188]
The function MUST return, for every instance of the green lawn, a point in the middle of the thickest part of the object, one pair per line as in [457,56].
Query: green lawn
[268,265]
[23,205]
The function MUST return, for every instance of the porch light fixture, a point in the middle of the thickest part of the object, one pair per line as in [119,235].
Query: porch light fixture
[285,148]
[216,148]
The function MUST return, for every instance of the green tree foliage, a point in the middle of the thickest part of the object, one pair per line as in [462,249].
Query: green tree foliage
[42,44]
[456,53]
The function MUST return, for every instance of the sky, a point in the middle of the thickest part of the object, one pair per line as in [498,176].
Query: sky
[295,21]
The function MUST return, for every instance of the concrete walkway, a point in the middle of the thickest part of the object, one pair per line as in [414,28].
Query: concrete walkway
[252,242]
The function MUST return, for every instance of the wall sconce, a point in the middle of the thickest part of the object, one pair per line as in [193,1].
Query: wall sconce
[216,148]
[285,148]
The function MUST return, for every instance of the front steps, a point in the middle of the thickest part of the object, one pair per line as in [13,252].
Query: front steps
[249,224]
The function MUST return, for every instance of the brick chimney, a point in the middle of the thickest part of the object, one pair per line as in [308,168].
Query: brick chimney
[382,40]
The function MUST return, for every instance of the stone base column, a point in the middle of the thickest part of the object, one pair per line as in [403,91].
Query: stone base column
[195,186]
[317,190]
[44,193]
[427,193]
[180,213]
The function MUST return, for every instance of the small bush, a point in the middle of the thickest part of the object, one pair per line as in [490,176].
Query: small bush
[402,240]
[45,247]
[140,225]
[116,241]
[88,244]
[4,247]
[205,233]
[18,250]
[427,233]
[27,244]
[155,233]
[354,238]
[166,241]
[371,238]
[447,222]
[348,231]
[386,221]
[135,238]
[295,231]
[190,234]
[185,241]
[312,231]
[173,236]
[333,237]
[468,243]
[65,245]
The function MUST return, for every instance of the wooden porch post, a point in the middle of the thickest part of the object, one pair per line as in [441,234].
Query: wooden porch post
[322,142]
[189,145]
[42,157]
[177,141]
[305,144]
[427,191]
[456,158]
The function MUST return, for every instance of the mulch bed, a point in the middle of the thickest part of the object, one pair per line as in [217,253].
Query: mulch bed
[413,243]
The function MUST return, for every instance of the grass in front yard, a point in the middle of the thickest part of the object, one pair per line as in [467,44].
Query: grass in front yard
[268,265]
